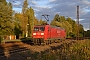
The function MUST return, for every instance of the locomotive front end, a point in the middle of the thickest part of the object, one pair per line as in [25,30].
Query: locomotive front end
[38,34]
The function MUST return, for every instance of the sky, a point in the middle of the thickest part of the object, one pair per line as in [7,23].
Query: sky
[67,8]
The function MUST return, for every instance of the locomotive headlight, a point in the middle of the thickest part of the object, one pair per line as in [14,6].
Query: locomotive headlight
[42,33]
[34,33]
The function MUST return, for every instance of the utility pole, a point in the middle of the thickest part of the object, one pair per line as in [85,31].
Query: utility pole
[77,37]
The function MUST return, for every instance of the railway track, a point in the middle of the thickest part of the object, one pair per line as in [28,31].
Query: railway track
[9,49]
[16,50]
[13,48]
[78,38]
[1,54]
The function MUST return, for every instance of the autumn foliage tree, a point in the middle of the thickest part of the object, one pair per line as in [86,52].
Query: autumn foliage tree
[26,19]
[31,19]
[17,27]
[6,23]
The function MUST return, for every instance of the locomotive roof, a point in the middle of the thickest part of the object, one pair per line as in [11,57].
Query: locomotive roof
[50,26]
[57,27]
[39,25]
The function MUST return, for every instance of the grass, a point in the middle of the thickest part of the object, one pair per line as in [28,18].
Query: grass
[5,41]
[16,40]
[77,51]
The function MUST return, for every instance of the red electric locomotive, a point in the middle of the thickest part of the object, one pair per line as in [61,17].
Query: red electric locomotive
[47,34]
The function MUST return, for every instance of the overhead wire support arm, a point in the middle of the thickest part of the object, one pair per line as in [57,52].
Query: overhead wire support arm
[46,17]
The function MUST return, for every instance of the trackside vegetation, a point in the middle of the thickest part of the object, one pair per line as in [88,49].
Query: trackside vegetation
[76,51]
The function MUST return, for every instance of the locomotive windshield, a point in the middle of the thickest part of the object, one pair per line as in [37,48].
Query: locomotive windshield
[39,28]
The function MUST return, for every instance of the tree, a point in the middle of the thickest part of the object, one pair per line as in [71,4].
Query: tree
[74,27]
[6,24]
[27,20]
[36,21]
[67,26]
[87,33]
[56,21]
[24,20]
[17,27]
[31,19]
[62,19]
[25,7]
[3,2]
[40,22]
[81,30]
[56,18]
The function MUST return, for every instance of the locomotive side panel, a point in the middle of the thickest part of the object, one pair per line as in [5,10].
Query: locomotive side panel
[46,32]
[57,33]
[53,33]
[63,33]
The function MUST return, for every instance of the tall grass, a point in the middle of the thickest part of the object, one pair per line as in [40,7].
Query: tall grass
[77,51]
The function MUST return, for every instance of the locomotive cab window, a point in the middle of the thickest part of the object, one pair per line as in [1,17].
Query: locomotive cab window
[39,28]
[36,28]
